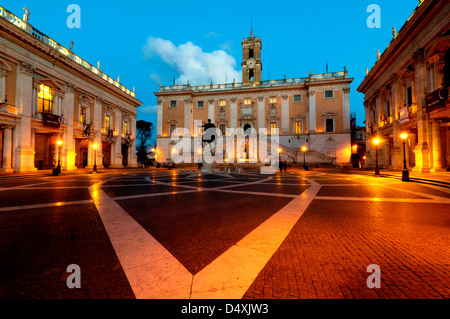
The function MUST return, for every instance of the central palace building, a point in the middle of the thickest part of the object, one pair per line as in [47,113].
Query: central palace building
[313,111]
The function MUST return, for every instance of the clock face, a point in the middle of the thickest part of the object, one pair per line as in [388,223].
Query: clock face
[251,63]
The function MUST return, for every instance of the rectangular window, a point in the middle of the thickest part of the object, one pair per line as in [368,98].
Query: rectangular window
[223,129]
[125,128]
[329,94]
[172,128]
[298,127]
[222,102]
[273,99]
[200,104]
[83,115]
[410,96]
[329,125]
[107,122]
[388,109]
[173,103]
[297,98]
[247,101]
[45,99]
[273,128]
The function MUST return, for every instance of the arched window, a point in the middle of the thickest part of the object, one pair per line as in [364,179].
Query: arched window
[251,54]
[251,75]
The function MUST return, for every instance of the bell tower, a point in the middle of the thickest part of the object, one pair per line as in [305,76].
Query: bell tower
[251,59]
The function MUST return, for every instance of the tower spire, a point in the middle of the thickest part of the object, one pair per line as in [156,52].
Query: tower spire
[251,26]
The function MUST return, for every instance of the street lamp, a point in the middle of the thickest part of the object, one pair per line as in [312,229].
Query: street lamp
[405,172]
[304,149]
[94,169]
[376,141]
[57,170]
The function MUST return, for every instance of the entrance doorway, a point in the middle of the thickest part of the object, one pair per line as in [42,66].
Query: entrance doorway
[124,155]
[81,147]
[106,155]
[45,157]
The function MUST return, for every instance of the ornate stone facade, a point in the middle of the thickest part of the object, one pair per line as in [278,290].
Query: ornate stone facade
[406,92]
[295,107]
[48,94]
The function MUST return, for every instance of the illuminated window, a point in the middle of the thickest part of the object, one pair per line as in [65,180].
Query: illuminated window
[298,127]
[273,99]
[222,103]
[45,99]
[83,115]
[125,127]
[108,122]
[273,128]
[247,101]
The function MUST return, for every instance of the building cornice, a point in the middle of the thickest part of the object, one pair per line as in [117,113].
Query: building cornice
[401,43]
[21,38]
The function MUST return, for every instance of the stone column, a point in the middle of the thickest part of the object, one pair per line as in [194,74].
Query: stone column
[159,126]
[211,111]
[24,154]
[97,123]
[116,148]
[346,109]
[261,113]
[369,154]
[397,151]
[90,154]
[422,152]
[188,116]
[233,114]
[132,157]
[437,151]
[69,152]
[312,111]
[284,114]
[7,150]
[3,73]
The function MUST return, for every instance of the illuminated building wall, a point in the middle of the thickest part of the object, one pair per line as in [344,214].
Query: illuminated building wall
[47,93]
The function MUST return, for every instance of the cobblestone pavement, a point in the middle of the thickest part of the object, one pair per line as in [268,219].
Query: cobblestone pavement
[154,233]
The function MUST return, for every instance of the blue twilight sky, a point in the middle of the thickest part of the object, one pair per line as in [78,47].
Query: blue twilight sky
[147,42]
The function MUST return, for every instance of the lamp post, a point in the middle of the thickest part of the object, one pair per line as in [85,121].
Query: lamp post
[304,149]
[94,169]
[57,170]
[405,172]
[376,141]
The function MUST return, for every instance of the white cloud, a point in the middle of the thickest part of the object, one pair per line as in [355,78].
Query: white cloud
[149,109]
[211,34]
[155,78]
[191,63]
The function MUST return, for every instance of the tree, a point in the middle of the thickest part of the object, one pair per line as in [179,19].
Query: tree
[144,133]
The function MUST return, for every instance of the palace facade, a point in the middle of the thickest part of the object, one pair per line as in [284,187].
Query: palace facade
[313,111]
[406,91]
[56,107]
